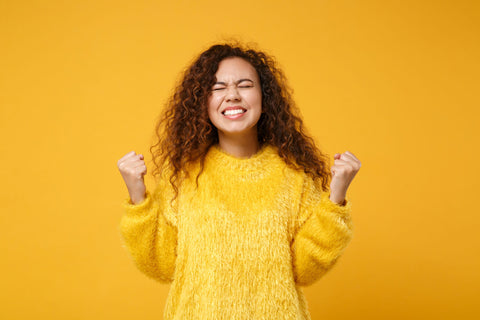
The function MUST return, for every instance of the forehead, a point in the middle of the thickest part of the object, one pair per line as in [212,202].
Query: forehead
[235,67]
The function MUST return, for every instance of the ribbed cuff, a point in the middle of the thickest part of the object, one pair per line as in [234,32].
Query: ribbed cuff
[139,207]
[329,205]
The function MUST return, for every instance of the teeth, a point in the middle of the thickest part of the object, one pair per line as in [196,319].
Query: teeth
[232,112]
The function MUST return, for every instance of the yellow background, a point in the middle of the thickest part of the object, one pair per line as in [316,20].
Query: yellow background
[394,82]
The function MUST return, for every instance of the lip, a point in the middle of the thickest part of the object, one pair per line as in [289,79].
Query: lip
[233,108]
[234,116]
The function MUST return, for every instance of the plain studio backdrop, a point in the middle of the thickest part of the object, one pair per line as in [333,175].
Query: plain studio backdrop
[394,82]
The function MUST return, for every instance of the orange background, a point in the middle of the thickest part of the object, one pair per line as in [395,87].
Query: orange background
[394,82]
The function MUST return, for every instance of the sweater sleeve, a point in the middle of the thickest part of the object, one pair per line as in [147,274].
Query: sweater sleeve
[323,231]
[149,234]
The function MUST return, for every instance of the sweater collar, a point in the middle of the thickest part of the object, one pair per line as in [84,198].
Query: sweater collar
[260,162]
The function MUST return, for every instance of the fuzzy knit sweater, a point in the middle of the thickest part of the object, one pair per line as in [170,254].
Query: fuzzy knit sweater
[241,244]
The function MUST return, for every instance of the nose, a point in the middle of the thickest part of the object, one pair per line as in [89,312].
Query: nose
[232,94]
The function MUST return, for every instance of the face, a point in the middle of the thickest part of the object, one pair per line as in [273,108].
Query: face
[235,103]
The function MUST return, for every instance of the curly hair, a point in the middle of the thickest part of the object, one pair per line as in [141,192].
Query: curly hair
[185,135]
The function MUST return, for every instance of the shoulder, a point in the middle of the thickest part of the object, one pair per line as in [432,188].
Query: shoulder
[291,167]
[293,173]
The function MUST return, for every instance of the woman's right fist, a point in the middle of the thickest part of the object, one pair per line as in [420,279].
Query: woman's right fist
[132,168]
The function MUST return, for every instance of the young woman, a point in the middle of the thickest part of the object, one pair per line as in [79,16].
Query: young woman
[246,210]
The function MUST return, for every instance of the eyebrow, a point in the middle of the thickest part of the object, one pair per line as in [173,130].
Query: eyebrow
[237,82]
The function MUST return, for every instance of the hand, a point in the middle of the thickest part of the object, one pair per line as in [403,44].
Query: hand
[133,168]
[343,171]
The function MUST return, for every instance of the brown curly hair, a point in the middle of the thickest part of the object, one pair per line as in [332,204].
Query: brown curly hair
[184,134]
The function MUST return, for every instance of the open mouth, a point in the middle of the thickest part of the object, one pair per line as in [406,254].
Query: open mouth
[232,112]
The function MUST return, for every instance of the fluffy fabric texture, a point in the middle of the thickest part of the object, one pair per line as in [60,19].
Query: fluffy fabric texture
[242,244]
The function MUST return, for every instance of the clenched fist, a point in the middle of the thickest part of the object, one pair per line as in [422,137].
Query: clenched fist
[343,171]
[133,168]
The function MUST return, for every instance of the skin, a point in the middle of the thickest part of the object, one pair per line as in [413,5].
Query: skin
[345,167]
[237,84]
[132,168]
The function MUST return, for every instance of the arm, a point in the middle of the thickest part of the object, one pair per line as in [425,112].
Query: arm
[149,236]
[323,231]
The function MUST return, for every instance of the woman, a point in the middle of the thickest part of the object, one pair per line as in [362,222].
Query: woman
[246,209]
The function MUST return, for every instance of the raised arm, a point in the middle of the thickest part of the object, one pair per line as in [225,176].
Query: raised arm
[323,231]
[150,238]
[149,232]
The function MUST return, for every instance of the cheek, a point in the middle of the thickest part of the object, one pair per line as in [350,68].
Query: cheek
[255,99]
[212,106]
[214,102]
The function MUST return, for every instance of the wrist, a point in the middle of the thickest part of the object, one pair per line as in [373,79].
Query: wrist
[341,201]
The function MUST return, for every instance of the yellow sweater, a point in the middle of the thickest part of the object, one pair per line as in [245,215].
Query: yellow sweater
[242,244]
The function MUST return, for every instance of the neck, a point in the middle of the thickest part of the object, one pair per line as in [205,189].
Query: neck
[239,146]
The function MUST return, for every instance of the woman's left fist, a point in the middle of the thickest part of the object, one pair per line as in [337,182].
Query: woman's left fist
[343,171]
